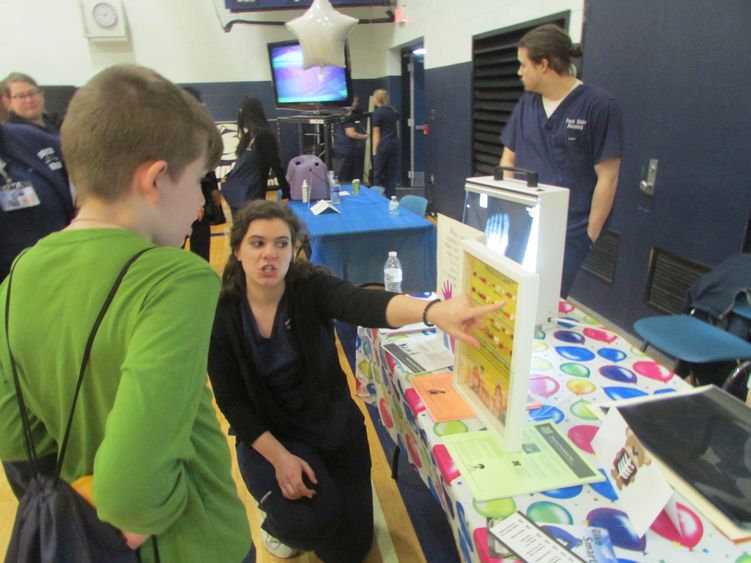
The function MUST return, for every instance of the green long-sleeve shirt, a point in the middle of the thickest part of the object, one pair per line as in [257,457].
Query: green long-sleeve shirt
[144,424]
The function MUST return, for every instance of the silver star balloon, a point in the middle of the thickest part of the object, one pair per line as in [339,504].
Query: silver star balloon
[322,32]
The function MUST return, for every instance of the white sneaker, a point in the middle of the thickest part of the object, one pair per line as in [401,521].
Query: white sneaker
[275,546]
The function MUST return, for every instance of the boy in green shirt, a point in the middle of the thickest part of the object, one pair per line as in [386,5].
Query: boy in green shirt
[136,148]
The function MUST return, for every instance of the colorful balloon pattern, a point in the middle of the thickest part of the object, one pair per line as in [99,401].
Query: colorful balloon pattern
[618,373]
[575,370]
[496,508]
[445,462]
[582,435]
[691,528]
[612,354]
[653,370]
[618,526]
[581,386]
[543,385]
[604,488]
[546,512]
[599,335]
[547,412]
[581,409]
[575,353]
[568,336]
[416,406]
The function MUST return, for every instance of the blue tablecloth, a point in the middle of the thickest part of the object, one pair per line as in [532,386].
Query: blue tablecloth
[354,244]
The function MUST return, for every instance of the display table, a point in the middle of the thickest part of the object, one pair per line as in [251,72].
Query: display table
[355,243]
[575,364]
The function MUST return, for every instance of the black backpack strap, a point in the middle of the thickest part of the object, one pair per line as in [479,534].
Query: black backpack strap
[28,436]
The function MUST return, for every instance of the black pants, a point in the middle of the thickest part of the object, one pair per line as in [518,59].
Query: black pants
[337,523]
[574,254]
[200,238]
[385,168]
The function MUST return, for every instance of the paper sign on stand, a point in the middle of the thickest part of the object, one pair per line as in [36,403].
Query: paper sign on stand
[323,206]
[698,454]
[450,234]
[638,482]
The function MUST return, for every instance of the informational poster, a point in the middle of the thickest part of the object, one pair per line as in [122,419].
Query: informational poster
[449,254]
[494,377]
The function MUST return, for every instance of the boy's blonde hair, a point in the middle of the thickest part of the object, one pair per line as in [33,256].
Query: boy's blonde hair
[127,115]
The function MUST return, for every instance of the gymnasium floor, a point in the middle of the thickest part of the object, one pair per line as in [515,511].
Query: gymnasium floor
[395,536]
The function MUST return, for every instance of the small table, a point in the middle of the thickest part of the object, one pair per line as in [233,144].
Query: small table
[355,243]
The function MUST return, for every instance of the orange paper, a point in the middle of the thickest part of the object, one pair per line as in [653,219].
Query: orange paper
[440,397]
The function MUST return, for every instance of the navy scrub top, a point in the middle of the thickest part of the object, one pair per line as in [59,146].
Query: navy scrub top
[585,129]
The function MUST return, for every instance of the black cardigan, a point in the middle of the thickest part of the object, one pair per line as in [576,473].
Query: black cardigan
[314,301]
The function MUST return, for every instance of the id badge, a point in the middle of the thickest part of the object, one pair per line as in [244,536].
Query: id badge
[18,195]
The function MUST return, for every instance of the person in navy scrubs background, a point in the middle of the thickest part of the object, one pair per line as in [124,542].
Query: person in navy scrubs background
[570,133]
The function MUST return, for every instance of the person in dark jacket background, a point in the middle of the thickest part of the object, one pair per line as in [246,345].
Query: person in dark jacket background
[257,154]
[26,102]
[31,168]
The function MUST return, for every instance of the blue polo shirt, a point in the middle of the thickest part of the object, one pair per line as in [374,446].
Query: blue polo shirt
[585,129]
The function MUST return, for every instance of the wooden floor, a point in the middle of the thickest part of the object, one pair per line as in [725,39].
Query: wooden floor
[395,538]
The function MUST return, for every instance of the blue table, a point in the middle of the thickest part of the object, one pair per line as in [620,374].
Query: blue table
[354,244]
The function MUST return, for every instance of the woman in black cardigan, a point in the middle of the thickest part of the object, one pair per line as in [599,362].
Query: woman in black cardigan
[257,153]
[301,442]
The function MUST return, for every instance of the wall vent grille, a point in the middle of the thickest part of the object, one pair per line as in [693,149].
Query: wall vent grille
[670,277]
[603,257]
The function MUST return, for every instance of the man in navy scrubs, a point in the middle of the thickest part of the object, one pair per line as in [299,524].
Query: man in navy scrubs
[568,132]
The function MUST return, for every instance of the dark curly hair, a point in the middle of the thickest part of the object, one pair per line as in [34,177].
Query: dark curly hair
[233,278]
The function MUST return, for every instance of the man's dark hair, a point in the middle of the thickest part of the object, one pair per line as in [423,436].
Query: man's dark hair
[552,43]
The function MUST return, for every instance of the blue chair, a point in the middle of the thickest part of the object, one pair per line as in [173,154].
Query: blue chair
[414,203]
[693,341]
[377,189]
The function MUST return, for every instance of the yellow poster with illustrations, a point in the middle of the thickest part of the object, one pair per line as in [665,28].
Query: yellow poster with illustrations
[494,377]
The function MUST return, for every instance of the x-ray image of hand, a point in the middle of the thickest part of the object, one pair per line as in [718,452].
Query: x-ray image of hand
[497,231]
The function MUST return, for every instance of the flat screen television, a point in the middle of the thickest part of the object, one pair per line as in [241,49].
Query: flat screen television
[525,224]
[311,89]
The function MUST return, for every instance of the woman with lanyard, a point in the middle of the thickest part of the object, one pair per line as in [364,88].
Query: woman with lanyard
[35,198]
[257,153]
[301,443]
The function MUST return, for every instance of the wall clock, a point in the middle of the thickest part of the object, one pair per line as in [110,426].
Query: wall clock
[105,14]
[103,20]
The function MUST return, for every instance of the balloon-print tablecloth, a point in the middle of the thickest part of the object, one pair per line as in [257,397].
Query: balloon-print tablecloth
[575,363]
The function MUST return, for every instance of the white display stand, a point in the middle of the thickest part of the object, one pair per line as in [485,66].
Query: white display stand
[494,379]
[543,250]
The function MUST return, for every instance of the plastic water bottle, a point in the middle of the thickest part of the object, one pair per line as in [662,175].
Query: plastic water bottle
[335,187]
[305,189]
[394,206]
[392,273]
